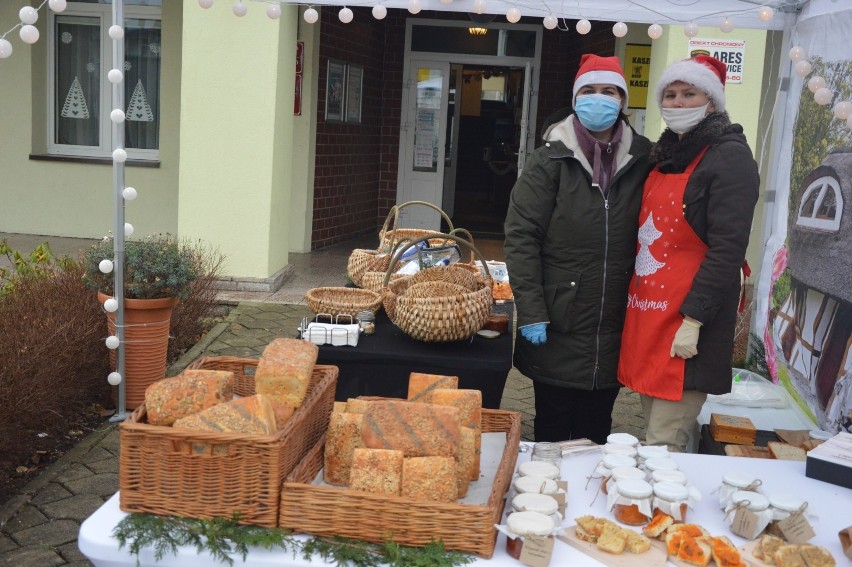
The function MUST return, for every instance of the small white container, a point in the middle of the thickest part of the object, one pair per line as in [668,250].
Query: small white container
[622,473]
[646,452]
[525,524]
[539,468]
[660,464]
[671,499]
[620,449]
[622,438]
[666,475]
[541,503]
[820,435]
[604,469]
[757,502]
[631,503]
[535,484]
[783,505]
[733,482]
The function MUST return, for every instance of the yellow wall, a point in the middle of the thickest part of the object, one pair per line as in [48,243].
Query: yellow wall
[236,134]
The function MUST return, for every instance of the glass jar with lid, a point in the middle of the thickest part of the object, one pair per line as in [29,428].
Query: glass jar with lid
[733,482]
[671,499]
[622,473]
[620,449]
[535,484]
[525,524]
[610,462]
[539,468]
[622,438]
[631,503]
[669,475]
[659,464]
[782,507]
[541,503]
[756,503]
[548,452]
[646,452]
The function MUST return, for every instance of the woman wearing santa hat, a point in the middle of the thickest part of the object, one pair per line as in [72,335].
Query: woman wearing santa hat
[570,246]
[694,223]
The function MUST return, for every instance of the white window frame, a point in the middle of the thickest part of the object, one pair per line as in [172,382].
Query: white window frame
[104,14]
[823,184]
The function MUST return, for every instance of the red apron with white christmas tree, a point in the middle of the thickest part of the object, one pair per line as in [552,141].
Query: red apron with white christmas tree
[668,256]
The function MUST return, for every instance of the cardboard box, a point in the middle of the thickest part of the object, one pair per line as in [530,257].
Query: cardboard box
[832,461]
[732,429]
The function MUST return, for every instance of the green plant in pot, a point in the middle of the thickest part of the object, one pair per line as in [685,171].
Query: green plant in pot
[159,270]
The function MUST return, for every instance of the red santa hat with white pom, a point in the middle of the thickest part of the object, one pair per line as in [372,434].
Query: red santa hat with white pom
[702,71]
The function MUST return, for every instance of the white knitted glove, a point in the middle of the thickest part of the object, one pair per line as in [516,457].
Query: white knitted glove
[685,343]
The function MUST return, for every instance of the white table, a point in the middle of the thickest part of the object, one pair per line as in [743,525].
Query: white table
[832,504]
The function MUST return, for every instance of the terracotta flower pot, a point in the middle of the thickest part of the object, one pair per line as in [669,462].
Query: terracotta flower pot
[146,344]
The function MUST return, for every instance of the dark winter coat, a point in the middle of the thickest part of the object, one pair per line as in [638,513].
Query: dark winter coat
[570,254]
[718,203]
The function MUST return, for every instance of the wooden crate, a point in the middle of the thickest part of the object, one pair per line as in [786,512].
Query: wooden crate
[732,429]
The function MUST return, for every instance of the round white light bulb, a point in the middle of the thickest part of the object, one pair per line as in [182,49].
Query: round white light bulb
[345,15]
[29,34]
[5,48]
[379,12]
[105,266]
[479,6]
[550,21]
[240,9]
[815,83]
[797,53]
[112,342]
[655,31]
[28,15]
[206,4]
[823,96]
[129,194]
[513,15]
[584,27]
[116,32]
[842,110]
[802,68]
[58,6]
[690,29]
[726,26]
[117,116]
[111,305]
[114,378]
[766,13]
[119,155]
[128,229]
[311,15]
[619,29]
[115,76]
[273,11]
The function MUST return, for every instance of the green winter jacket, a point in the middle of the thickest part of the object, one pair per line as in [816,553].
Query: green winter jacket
[570,253]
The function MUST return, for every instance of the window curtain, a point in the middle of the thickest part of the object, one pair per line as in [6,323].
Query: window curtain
[78,79]
[142,84]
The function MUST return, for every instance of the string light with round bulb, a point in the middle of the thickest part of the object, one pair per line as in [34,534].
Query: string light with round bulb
[842,110]
[583,26]
[345,15]
[690,29]
[619,29]
[823,96]
[273,11]
[111,305]
[380,11]
[240,9]
[129,193]
[311,15]
[550,21]
[513,15]
[479,6]
[116,32]
[206,4]
[766,13]
[128,229]
[114,378]
[655,31]
[117,116]
[112,342]
[119,155]
[815,83]
[5,48]
[414,6]
[105,266]
[29,34]
[802,68]
[115,76]
[797,53]
[58,6]
[28,15]
[727,26]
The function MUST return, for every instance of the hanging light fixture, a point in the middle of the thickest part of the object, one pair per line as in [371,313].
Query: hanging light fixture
[477,31]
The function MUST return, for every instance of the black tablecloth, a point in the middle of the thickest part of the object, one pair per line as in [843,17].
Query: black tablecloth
[381,363]
[709,446]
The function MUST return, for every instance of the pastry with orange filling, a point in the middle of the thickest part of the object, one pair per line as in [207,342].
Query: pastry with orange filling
[658,525]
[694,550]
[725,554]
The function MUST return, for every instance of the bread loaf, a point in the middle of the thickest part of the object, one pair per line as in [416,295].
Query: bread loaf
[339,407]
[789,556]
[284,371]
[786,452]
[253,414]
[378,471]
[430,478]
[466,458]
[343,437]
[613,539]
[170,399]
[468,402]
[420,386]
[418,430]
[725,553]
[357,405]
[766,548]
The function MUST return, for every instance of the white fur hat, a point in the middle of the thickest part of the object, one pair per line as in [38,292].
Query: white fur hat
[706,73]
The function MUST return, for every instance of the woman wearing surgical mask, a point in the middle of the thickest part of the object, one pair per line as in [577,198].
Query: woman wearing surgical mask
[570,245]
[695,221]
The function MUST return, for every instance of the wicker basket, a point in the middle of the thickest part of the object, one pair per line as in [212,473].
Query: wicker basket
[343,300]
[438,316]
[325,511]
[362,260]
[195,474]
[391,235]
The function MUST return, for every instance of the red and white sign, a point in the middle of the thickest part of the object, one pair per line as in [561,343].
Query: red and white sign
[731,52]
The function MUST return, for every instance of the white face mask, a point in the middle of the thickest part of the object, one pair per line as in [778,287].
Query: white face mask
[682,120]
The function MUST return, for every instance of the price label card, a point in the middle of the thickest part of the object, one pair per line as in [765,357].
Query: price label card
[796,528]
[537,551]
[745,523]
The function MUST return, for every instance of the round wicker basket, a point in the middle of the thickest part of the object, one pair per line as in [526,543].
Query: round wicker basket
[343,300]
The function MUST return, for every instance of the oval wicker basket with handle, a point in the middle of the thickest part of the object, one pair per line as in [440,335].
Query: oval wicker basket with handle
[343,300]
[425,308]
[391,235]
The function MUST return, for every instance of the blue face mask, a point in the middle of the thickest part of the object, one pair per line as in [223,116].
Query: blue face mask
[597,112]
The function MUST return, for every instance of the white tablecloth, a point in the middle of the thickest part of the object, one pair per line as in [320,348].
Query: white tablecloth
[830,503]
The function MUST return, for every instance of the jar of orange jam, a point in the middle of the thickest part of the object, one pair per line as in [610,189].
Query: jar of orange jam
[632,505]
[524,524]
[672,499]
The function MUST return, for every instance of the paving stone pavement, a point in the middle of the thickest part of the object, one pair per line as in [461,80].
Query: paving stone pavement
[39,526]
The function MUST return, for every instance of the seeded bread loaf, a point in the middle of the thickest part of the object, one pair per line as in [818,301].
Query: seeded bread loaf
[420,385]
[170,399]
[357,405]
[466,458]
[430,478]
[284,371]
[468,402]
[378,471]
[252,414]
[418,430]
[343,437]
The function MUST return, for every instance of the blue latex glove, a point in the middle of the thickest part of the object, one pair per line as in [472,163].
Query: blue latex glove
[535,333]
